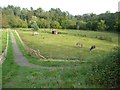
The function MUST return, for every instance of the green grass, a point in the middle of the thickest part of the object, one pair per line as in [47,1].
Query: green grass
[107,71]
[15,76]
[62,46]
[43,78]
[0,64]
[49,62]
[3,40]
[0,41]
[41,62]
[8,67]
[0,76]
[72,77]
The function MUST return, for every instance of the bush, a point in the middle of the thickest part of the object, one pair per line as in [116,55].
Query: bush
[106,72]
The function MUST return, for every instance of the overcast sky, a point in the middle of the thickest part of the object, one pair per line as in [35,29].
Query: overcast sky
[74,7]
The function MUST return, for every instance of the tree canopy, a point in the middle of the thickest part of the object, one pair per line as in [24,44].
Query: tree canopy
[15,17]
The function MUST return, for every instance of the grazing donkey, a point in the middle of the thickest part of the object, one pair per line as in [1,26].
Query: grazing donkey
[79,44]
[35,33]
[92,47]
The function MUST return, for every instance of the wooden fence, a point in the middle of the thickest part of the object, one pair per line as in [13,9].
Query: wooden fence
[32,52]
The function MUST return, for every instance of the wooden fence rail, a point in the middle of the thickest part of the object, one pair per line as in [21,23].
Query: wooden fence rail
[32,52]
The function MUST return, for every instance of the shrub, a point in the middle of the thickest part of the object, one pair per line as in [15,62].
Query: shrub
[106,72]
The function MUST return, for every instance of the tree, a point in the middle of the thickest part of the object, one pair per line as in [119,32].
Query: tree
[55,24]
[16,17]
[65,24]
[24,13]
[101,25]
[34,26]
[95,25]
[89,25]
[81,25]
[5,23]
[17,11]
[42,23]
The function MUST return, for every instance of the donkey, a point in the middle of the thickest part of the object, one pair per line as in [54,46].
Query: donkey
[92,47]
[79,44]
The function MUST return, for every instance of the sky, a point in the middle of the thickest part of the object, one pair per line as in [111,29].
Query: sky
[74,7]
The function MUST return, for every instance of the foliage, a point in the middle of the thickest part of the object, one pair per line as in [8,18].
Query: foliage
[34,26]
[55,25]
[42,23]
[81,25]
[15,17]
[101,25]
[106,72]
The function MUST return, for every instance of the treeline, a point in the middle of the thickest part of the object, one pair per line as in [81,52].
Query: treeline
[15,17]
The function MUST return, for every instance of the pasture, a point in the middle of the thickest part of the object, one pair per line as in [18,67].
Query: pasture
[62,46]
[15,76]
[82,76]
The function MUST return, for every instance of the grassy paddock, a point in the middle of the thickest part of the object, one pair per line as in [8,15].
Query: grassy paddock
[49,62]
[15,76]
[72,77]
[62,46]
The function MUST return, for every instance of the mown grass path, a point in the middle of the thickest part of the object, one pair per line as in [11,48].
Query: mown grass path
[21,60]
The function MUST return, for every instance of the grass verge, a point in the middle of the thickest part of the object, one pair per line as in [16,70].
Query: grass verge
[9,68]
[3,40]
